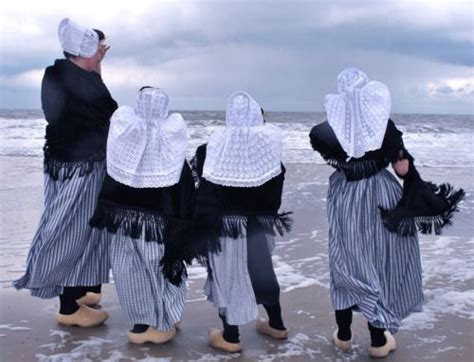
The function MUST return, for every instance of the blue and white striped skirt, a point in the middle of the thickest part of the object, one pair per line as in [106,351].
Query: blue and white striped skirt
[371,268]
[230,287]
[65,250]
[145,296]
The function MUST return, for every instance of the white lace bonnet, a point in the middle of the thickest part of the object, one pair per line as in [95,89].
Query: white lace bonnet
[77,39]
[247,152]
[359,113]
[146,147]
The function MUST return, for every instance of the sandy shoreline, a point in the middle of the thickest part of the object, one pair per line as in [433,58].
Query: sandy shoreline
[443,332]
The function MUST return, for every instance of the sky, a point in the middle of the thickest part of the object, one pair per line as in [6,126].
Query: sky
[286,54]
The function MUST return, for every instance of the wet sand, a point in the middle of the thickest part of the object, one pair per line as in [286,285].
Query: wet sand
[444,331]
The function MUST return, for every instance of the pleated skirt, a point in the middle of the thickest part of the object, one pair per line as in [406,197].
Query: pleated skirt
[145,296]
[65,250]
[242,276]
[376,271]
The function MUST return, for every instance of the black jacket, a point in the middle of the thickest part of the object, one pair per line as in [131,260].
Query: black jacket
[77,106]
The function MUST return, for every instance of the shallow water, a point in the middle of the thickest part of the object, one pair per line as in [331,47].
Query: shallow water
[434,140]
[443,147]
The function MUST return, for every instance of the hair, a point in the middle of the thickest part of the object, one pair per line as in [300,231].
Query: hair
[263,115]
[101,35]
[145,87]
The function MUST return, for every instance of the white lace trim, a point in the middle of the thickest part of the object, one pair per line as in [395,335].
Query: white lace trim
[77,39]
[246,153]
[146,152]
[359,113]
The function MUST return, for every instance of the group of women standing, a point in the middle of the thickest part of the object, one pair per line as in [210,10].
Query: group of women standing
[119,194]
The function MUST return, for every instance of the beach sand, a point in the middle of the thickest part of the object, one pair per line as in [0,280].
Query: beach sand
[444,331]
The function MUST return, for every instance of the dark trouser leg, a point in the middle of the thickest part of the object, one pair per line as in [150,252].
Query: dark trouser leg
[95,289]
[274,316]
[67,300]
[139,328]
[231,332]
[344,321]
[377,337]
[262,275]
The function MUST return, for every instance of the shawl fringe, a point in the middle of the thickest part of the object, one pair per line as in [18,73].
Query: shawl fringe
[65,170]
[131,220]
[425,224]
[357,170]
[233,226]
[236,226]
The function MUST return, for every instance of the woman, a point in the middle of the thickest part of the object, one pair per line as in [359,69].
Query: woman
[374,256]
[67,258]
[240,186]
[148,190]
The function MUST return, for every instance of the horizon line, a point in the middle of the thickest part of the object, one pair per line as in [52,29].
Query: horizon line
[266,111]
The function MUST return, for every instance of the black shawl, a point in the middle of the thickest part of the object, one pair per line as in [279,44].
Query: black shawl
[228,211]
[162,214]
[77,106]
[423,205]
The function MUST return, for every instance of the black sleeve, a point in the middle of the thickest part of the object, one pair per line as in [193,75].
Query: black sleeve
[53,99]
[92,100]
[392,146]
[277,190]
[324,141]
[187,193]
[200,157]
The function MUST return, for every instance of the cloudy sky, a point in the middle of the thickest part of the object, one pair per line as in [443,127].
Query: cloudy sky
[287,54]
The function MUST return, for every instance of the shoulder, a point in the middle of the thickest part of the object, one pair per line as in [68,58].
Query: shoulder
[392,133]
[201,151]
[324,140]
[321,133]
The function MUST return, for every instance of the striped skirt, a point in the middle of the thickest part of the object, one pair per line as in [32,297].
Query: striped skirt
[145,296]
[65,250]
[376,271]
[242,276]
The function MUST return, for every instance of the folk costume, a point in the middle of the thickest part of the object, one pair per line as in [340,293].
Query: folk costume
[67,258]
[148,189]
[241,177]
[374,255]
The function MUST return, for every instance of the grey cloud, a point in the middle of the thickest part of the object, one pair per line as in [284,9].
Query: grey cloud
[445,89]
[286,53]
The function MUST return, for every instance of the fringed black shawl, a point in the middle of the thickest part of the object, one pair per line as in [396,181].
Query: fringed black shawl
[77,106]
[162,215]
[228,211]
[324,140]
[423,206]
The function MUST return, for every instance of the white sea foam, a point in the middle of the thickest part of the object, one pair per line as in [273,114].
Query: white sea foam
[435,141]
[447,273]
[296,346]
[87,350]
[11,327]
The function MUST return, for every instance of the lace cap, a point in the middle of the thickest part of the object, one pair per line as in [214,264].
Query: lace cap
[77,39]
[359,113]
[245,153]
[152,103]
[243,111]
[146,147]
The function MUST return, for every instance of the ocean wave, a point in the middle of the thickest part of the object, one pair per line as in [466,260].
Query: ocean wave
[434,140]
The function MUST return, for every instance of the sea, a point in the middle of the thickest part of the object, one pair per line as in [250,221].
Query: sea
[443,147]
[434,140]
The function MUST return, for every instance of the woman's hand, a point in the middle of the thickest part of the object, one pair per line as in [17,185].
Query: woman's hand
[401,167]
[103,50]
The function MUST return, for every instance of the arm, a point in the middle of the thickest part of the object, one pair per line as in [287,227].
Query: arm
[53,99]
[402,166]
